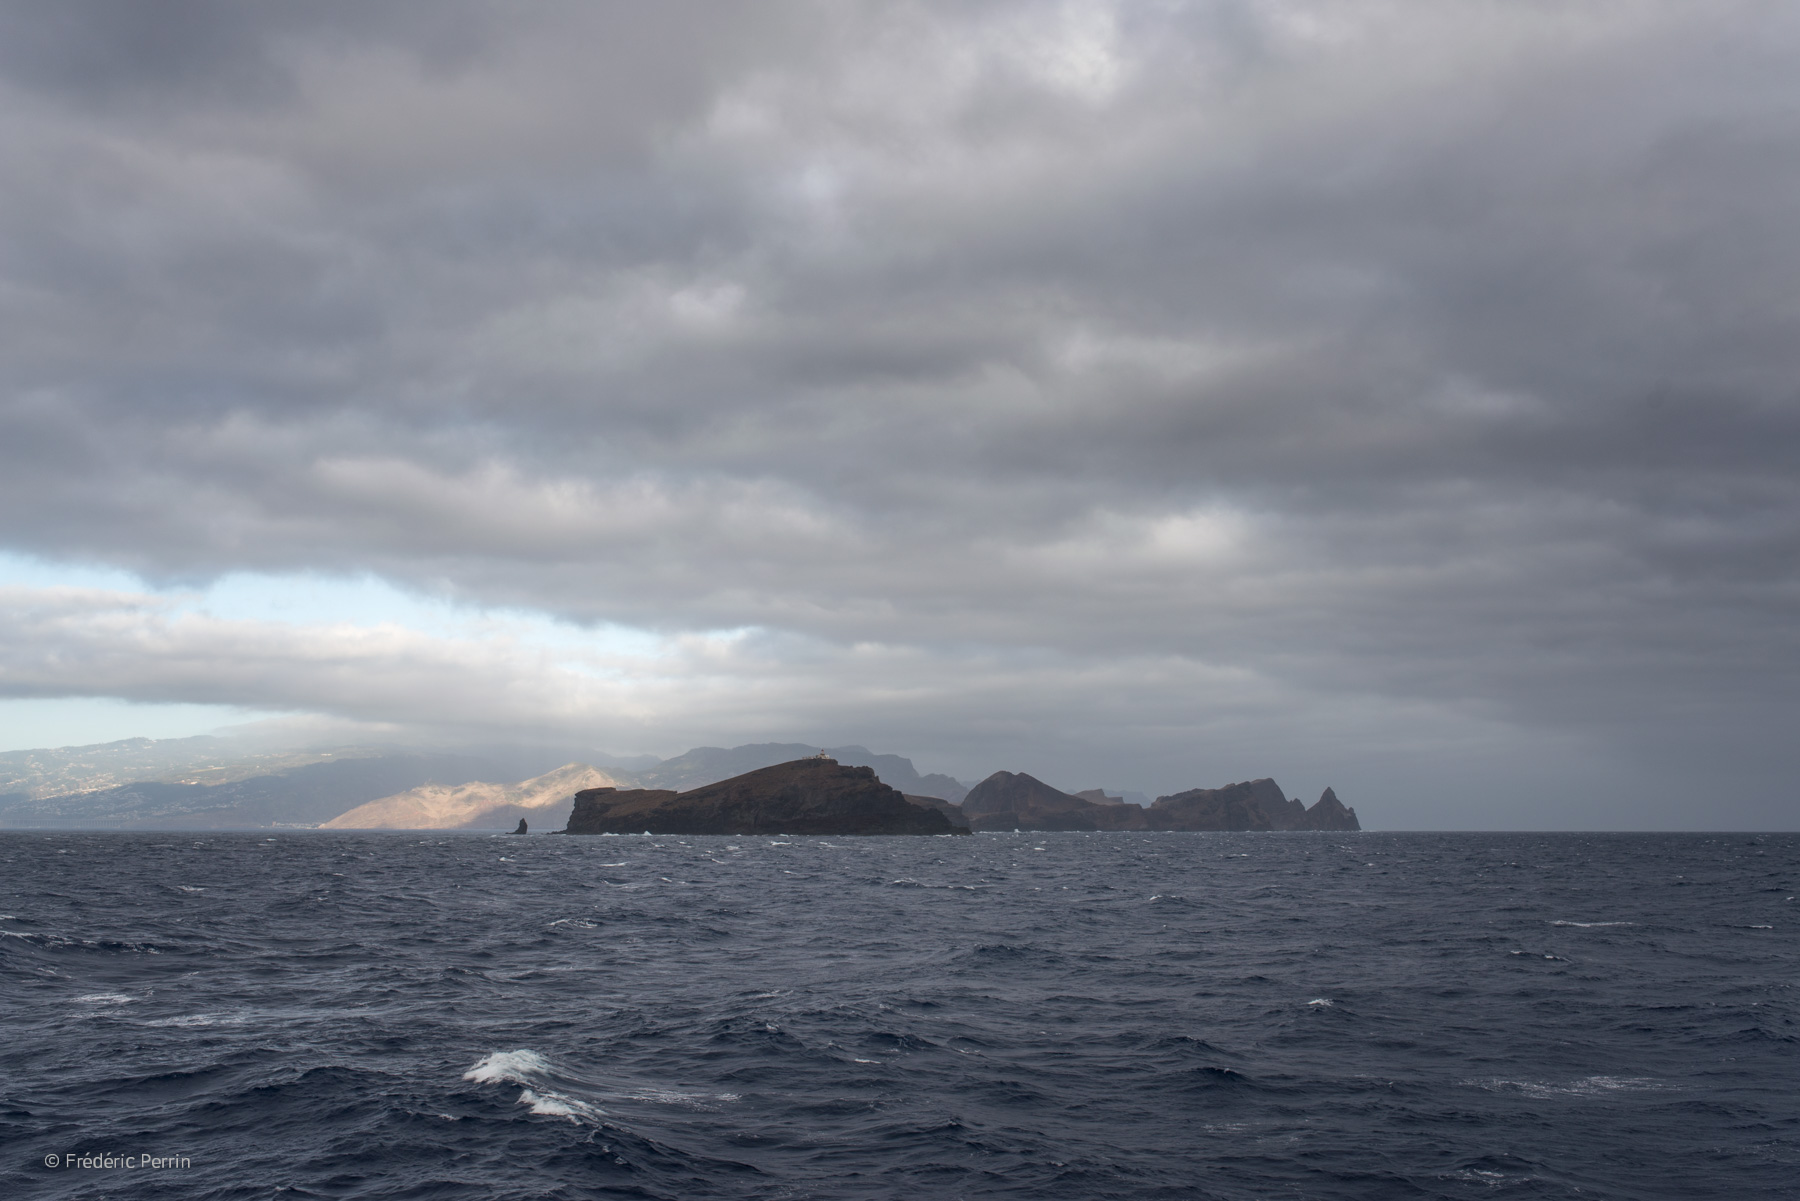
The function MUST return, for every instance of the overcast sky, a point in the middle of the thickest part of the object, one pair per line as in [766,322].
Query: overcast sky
[1400,395]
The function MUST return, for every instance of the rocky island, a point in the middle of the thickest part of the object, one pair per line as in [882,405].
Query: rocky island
[1015,801]
[807,796]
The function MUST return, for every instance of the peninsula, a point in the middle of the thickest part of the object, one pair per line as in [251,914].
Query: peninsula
[1015,801]
[807,796]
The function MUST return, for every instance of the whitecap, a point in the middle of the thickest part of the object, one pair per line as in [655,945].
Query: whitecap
[105,998]
[1592,925]
[1487,1178]
[191,888]
[503,1066]
[1322,1002]
[1587,1086]
[687,1100]
[525,1067]
[555,1105]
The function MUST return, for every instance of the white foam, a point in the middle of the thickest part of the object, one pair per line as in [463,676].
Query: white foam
[555,1105]
[507,1066]
[1587,1086]
[1592,925]
[191,888]
[520,1067]
[688,1100]
[199,1019]
[105,998]
[1322,1002]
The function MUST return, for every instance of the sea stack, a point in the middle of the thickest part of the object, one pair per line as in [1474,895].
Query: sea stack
[806,796]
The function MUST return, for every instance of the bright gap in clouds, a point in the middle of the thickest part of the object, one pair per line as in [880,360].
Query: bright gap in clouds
[300,601]
[312,599]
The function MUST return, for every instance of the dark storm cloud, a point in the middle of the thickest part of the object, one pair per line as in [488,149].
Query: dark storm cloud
[1385,355]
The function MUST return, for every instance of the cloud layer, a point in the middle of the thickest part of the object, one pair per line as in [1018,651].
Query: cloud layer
[1407,386]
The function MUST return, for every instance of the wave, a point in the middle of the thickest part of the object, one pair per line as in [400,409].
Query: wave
[508,1066]
[1587,1086]
[528,1068]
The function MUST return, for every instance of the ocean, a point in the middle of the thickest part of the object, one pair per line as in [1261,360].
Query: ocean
[1081,1016]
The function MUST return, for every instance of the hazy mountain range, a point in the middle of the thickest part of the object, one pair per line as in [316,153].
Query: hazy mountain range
[218,783]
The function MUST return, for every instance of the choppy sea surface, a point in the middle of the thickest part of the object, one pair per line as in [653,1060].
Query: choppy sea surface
[1082,1016]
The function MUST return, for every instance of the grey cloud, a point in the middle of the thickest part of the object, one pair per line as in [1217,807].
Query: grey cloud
[1442,355]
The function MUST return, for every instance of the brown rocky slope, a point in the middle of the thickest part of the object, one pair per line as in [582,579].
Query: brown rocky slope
[475,806]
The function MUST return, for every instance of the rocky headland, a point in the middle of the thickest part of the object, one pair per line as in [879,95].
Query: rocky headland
[1251,805]
[805,796]
[1016,801]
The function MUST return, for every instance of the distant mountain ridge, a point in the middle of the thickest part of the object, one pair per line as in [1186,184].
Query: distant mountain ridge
[543,801]
[218,783]
[204,759]
[303,797]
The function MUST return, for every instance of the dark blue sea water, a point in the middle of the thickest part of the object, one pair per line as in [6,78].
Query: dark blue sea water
[1078,1016]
